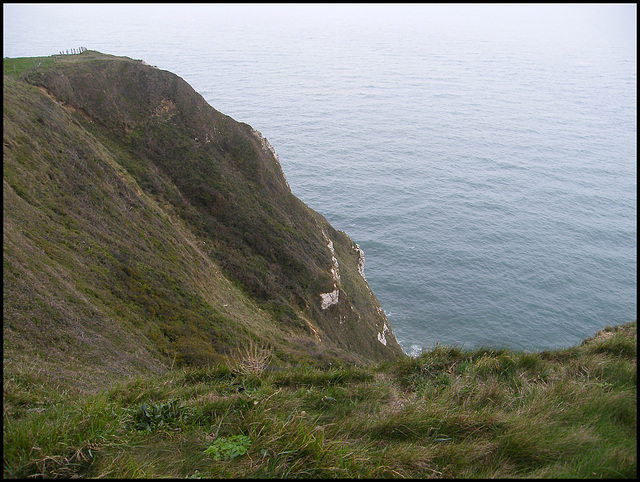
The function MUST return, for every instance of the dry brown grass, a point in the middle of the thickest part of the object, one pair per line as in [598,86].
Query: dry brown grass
[251,360]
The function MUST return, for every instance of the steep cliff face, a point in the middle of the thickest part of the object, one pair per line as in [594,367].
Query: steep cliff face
[132,203]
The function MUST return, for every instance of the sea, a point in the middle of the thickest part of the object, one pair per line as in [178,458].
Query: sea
[489,174]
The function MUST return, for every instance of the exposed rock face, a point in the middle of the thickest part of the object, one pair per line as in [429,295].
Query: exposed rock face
[221,182]
[360,261]
[382,336]
[332,298]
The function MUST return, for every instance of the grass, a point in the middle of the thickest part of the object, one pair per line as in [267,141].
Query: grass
[183,327]
[144,229]
[252,360]
[17,66]
[447,413]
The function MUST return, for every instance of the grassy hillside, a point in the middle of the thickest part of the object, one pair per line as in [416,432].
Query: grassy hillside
[172,310]
[448,413]
[110,276]
[144,229]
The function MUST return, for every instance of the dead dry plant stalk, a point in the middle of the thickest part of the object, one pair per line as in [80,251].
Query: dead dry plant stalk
[252,360]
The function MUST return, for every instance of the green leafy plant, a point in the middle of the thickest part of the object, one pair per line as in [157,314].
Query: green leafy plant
[152,417]
[227,448]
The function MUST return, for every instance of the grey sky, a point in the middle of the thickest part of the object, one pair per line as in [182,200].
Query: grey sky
[607,23]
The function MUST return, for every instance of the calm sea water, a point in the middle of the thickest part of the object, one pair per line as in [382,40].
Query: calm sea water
[490,179]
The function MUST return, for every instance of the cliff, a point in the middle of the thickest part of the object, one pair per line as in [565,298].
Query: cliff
[143,228]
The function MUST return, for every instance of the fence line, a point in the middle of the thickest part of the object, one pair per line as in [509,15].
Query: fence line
[73,51]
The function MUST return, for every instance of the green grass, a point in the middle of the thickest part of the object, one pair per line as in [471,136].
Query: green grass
[449,413]
[19,65]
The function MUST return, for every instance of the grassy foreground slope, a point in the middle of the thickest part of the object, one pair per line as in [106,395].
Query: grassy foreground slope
[448,413]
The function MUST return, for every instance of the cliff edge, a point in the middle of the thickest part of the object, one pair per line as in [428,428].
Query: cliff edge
[144,228]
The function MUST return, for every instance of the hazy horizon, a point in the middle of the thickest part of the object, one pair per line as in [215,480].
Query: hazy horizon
[609,24]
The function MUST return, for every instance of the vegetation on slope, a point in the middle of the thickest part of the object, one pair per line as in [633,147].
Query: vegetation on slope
[95,264]
[448,413]
[142,229]
[227,187]
[162,316]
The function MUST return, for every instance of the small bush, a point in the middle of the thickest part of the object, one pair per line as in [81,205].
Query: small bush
[252,360]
